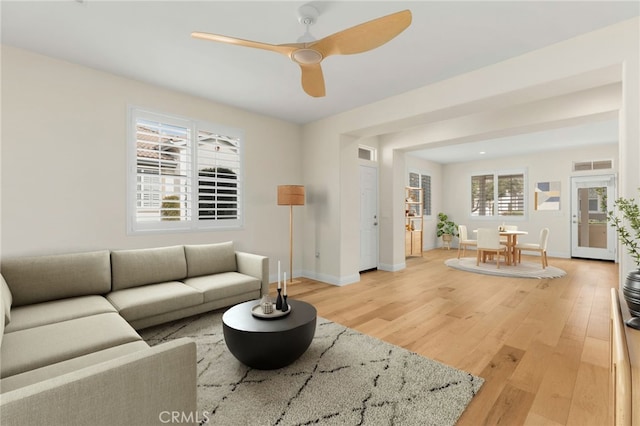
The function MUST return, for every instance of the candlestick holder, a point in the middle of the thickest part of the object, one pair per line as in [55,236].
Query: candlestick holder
[285,306]
[279,300]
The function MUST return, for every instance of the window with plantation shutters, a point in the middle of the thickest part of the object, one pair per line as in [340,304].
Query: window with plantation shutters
[507,198]
[218,169]
[184,174]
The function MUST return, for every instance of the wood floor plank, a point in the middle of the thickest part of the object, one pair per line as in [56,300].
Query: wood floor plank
[553,397]
[532,368]
[590,392]
[496,374]
[534,419]
[540,345]
[596,352]
[511,407]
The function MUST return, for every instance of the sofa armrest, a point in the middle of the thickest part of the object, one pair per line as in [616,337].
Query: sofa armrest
[256,266]
[141,388]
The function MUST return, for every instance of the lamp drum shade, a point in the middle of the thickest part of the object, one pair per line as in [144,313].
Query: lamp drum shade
[290,195]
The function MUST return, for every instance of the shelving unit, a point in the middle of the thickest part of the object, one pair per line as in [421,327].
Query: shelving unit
[413,220]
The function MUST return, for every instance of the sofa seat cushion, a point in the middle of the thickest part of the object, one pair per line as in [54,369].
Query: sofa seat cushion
[37,347]
[69,366]
[220,286]
[133,268]
[149,300]
[57,311]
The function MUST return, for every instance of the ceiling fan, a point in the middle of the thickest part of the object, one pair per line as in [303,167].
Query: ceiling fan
[309,53]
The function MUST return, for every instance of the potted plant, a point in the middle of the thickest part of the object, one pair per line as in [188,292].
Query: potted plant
[447,229]
[627,226]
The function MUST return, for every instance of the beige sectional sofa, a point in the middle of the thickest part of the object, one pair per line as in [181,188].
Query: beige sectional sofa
[69,350]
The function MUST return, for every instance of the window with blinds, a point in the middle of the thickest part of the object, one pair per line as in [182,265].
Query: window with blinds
[507,198]
[511,195]
[482,195]
[184,174]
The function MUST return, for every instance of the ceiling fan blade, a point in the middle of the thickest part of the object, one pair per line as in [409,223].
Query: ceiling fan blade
[278,48]
[364,37]
[313,80]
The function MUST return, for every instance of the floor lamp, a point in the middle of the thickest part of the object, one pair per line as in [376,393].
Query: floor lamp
[290,195]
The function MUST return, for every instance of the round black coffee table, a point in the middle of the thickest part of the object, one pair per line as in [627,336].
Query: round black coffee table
[267,344]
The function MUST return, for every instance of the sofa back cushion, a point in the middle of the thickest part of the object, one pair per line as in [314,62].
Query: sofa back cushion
[44,278]
[206,259]
[134,268]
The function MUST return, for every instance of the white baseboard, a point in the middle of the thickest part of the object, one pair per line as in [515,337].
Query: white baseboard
[332,279]
[392,268]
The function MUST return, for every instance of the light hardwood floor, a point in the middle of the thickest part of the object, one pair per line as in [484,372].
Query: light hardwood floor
[542,346]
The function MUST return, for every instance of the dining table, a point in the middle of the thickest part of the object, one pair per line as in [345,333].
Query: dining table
[512,240]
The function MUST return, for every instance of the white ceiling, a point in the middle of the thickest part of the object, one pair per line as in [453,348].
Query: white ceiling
[581,136]
[150,41]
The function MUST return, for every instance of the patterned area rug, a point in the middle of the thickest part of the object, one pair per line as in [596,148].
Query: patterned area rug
[520,270]
[344,378]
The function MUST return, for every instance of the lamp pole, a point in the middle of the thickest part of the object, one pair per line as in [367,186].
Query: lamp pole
[291,243]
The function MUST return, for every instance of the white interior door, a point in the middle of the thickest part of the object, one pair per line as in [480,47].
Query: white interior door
[368,218]
[591,236]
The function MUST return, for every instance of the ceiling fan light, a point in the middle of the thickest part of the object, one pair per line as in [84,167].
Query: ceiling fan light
[306,56]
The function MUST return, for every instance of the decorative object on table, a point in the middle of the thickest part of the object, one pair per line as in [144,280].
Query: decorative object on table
[285,306]
[447,229]
[547,196]
[279,297]
[266,304]
[257,312]
[630,238]
[291,195]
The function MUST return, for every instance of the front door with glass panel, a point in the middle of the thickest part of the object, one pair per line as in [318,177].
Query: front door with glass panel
[591,198]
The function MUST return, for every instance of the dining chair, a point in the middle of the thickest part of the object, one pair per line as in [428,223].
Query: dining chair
[540,247]
[489,243]
[464,240]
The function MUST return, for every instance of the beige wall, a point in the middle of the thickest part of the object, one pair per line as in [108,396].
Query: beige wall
[486,103]
[543,167]
[64,162]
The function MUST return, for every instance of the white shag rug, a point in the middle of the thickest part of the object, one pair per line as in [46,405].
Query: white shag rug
[344,378]
[519,270]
